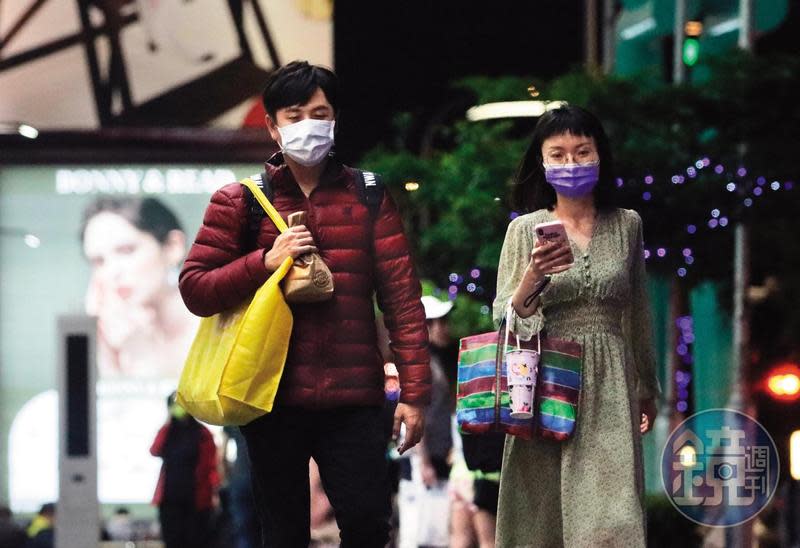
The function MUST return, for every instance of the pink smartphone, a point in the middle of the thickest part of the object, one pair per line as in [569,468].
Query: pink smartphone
[554,232]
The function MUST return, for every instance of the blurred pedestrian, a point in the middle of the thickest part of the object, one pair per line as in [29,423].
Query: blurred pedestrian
[186,486]
[11,534]
[245,531]
[119,525]
[41,531]
[474,487]
[423,500]
[436,444]
[324,531]
[589,490]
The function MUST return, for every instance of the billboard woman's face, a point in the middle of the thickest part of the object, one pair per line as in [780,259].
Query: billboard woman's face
[127,263]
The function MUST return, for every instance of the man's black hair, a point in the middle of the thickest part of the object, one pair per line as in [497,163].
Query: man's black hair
[295,83]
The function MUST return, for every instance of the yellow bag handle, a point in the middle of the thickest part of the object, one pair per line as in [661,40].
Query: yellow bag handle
[268,207]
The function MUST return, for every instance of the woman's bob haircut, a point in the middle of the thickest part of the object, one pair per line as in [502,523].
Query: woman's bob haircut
[530,190]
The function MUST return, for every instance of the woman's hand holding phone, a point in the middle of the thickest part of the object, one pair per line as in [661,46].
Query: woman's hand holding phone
[552,252]
[550,258]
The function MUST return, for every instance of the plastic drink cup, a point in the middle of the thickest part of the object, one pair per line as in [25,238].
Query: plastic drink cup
[521,401]
[522,368]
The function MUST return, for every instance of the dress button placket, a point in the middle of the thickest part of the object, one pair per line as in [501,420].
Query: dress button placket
[588,274]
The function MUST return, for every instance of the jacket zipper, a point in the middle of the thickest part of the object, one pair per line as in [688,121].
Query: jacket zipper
[311,225]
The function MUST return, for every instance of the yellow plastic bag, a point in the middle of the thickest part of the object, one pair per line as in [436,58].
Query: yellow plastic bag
[234,366]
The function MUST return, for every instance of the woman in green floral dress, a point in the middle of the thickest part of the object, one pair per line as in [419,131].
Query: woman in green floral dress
[587,491]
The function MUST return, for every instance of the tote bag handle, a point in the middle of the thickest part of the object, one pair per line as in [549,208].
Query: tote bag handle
[265,203]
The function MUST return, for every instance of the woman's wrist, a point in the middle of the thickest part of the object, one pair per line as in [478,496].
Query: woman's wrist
[533,276]
[533,298]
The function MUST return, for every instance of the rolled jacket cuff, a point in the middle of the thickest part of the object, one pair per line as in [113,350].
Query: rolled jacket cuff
[255,267]
[415,396]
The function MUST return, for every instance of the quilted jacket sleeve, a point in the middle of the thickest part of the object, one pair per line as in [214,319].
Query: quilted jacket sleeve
[217,275]
[399,295]
[158,444]
[207,460]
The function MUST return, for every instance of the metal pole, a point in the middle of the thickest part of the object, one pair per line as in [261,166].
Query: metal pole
[670,414]
[609,36]
[591,33]
[739,397]
[741,266]
[678,70]
[741,536]
[745,41]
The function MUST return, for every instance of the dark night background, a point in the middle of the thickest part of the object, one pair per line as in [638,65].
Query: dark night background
[401,56]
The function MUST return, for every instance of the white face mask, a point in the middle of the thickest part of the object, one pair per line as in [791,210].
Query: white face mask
[308,141]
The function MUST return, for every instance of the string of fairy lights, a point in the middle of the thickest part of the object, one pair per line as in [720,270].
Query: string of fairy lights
[750,191]
[736,181]
[683,375]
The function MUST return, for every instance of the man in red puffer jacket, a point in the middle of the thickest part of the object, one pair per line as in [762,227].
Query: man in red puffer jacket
[330,397]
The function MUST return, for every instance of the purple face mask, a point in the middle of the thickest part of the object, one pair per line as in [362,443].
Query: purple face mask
[573,180]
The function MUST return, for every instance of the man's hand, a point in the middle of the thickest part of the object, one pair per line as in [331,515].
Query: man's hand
[293,243]
[414,419]
[649,412]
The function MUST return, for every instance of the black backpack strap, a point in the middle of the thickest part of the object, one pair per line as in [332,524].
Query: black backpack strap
[256,213]
[262,181]
[370,191]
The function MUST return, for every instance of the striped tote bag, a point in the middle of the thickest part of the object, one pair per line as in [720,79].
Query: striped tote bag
[482,404]
[558,388]
[483,399]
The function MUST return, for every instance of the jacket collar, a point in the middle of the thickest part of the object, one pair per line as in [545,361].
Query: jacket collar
[281,176]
